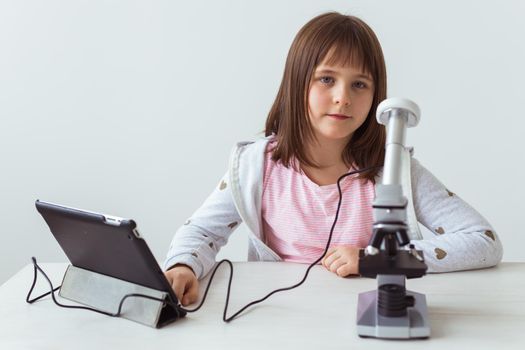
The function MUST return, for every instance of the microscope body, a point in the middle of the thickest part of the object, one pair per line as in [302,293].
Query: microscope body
[391,311]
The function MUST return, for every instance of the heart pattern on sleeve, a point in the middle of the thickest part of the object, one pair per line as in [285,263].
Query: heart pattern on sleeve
[490,234]
[440,230]
[440,253]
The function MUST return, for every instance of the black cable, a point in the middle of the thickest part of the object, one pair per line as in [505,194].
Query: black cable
[281,289]
[53,290]
[225,319]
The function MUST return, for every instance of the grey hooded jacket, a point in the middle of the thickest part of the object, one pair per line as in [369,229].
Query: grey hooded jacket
[462,240]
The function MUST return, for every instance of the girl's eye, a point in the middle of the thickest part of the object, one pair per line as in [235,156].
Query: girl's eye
[326,80]
[359,85]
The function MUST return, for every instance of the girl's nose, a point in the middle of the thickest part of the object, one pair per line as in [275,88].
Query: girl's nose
[342,98]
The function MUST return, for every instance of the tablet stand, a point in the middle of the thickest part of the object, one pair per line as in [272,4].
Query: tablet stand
[105,293]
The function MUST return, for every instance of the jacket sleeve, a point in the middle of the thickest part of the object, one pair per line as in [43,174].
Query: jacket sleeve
[197,242]
[463,239]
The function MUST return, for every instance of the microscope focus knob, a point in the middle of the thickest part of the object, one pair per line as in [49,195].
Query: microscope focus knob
[410,108]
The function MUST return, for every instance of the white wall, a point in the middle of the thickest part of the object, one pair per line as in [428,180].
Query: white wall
[131,107]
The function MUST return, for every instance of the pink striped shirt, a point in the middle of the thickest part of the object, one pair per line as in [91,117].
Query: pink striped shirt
[298,214]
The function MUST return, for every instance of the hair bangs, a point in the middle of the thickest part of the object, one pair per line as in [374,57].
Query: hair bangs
[348,48]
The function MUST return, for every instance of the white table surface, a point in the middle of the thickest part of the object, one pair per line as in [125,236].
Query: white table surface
[483,309]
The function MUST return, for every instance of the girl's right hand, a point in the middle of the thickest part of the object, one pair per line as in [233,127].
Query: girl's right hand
[184,283]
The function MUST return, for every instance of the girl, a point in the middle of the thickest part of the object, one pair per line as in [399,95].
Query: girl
[321,126]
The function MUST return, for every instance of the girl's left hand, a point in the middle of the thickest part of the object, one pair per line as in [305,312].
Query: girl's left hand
[342,260]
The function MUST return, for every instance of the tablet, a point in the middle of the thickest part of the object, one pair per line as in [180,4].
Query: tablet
[105,244]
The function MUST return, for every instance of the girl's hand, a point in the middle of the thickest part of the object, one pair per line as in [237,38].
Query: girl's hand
[184,283]
[342,260]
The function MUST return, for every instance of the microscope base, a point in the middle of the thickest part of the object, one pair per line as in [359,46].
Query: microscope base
[371,324]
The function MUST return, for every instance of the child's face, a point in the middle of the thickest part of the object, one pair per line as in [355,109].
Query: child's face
[339,100]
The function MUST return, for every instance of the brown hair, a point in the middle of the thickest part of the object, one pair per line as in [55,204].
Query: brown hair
[348,40]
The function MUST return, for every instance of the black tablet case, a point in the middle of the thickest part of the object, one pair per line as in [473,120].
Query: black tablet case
[94,243]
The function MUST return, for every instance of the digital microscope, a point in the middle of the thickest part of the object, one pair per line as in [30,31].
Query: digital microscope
[391,311]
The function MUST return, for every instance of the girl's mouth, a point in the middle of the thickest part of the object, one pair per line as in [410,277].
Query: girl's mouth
[338,116]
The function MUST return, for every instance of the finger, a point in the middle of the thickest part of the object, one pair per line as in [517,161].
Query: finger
[168,277]
[330,260]
[178,288]
[344,270]
[329,252]
[192,293]
[336,264]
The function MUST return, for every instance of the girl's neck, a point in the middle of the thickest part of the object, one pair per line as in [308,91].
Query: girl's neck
[328,154]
